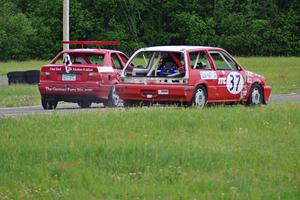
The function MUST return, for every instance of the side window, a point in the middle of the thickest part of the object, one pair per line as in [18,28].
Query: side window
[199,60]
[115,61]
[124,59]
[220,61]
[96,59]
[232,64]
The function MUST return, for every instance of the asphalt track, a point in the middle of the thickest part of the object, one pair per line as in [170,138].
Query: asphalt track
[72,107]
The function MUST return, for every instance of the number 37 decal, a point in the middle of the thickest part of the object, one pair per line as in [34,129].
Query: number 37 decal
[234,82]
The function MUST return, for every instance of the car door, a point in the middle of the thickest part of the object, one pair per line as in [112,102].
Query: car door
[230,78]
[202,69]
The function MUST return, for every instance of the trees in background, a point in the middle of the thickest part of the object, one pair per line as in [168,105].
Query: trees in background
[33,29]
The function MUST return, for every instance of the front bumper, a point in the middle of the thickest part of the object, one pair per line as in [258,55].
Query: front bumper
[267,93]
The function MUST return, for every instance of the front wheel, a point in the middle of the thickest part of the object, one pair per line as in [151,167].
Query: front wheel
[113,98]
[200,97]
[49,104]
[256,95]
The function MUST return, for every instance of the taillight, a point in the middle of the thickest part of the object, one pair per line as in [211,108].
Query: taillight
[45,75]
[94,76]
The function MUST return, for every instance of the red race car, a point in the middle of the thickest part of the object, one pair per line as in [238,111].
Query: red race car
[82,76]
[190,75]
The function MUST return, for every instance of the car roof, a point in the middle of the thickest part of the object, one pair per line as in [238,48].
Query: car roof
[177,48]
[87,50]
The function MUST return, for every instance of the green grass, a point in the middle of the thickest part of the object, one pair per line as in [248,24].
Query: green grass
[158,153]
[282,73]
[6,67]
[19,95]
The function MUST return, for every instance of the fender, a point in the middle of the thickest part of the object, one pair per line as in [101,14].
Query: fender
[255,81]
[201,82]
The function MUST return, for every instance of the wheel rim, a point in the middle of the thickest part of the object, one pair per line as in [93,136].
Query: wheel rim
[115,97]
[256,96]
[200,98]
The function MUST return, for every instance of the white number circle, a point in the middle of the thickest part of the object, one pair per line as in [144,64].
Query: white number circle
[234,82]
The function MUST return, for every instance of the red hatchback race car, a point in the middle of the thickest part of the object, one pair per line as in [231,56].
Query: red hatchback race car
[82,76]
[190,75]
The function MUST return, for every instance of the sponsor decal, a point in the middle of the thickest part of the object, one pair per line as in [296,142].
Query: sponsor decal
[55,69]
[208,75]
[82,69]
[67,62]
[234,82]
[105,69]
[67,89]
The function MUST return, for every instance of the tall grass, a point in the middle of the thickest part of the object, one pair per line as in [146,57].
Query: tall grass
[158,153]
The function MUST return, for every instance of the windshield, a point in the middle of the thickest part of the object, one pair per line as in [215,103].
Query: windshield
[156,64]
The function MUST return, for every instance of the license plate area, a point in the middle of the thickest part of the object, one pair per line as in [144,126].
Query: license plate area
[149,94]
[69,77]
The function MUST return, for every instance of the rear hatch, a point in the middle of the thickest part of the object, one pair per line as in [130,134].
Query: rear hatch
[72,73]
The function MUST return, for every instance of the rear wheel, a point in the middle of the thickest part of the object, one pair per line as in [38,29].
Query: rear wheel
[113,98]
[256,95]
[49,104]
[200,97]
[84,104]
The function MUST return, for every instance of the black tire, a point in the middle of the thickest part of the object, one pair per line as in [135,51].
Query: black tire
[16,77]
[113,98]
[199,99]
[49,104]
[256,96]
[32,76]
[84,104]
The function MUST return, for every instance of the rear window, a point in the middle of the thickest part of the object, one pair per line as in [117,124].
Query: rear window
[156,64]
[82,59]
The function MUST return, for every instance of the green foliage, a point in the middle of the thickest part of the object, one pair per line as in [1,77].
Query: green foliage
[15,32]
[33,29]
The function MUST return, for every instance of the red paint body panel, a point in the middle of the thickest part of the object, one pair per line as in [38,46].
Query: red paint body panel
[267,93]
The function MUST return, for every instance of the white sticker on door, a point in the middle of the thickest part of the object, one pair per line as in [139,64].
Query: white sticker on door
[208,75]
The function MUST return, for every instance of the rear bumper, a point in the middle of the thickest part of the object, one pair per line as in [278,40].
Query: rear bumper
[74,89]
[155,93]
[267,93]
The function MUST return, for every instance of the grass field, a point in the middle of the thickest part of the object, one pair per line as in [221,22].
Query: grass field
[282,73]
[6,67]
[158,153]
[19,95]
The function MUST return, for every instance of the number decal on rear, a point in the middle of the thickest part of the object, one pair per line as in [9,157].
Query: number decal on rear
[234,83]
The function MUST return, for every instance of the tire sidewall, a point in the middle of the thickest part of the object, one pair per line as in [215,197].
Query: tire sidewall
[261,98]
[203,90]
[111,102]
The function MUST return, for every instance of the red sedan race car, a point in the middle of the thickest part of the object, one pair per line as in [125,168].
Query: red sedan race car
[190,75]
[82,76]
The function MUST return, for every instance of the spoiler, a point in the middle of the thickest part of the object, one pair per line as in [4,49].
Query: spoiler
[92,42]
